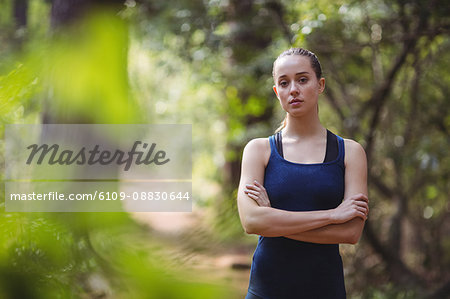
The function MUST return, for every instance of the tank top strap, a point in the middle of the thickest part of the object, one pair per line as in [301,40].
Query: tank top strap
[273,147]
[341,156]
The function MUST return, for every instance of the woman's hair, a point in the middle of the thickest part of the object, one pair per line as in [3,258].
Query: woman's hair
[315,64]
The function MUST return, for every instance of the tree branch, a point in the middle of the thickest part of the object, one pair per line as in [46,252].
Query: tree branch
[278,9]
[399,271]
[380,95]
[381,186]
[333,101]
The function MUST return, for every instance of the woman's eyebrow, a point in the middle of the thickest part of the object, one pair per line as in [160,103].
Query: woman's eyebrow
[300,73]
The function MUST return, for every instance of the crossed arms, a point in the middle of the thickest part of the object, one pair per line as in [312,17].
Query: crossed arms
[343,224]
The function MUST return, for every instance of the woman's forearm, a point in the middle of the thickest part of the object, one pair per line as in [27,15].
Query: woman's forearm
[348,232]
[271,222]
[258,217]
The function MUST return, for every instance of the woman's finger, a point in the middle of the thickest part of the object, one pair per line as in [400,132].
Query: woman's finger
[363,210]
[361,206]
[252,196]
[258,184]
[361,215]
[258,193]
[252,192]
[261,202]
[254,187]
[361,203]
[358,197]
[361,197]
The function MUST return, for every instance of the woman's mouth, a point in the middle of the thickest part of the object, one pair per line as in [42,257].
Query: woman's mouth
[295,101]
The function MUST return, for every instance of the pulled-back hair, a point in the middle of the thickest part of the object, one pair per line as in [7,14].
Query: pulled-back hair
[315,64]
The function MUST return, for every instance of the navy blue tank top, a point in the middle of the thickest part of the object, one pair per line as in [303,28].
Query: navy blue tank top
[283,268]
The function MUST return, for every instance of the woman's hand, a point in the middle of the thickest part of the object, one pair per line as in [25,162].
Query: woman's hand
[258,193]
[352,207]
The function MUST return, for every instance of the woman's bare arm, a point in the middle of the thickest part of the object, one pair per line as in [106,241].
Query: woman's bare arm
[347,232]
[271,222]
[355,183]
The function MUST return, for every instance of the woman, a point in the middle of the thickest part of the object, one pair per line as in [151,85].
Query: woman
[303,190]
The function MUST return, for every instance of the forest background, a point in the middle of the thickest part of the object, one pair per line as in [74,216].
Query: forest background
[209,63]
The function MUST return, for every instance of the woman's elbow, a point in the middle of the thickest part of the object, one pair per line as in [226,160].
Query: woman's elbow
[353,239]
[250,225]
[249,230]
[259,221]
[246,226]
[254,224]
[354,235]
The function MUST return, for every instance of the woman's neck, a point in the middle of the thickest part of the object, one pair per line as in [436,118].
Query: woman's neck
[304,127]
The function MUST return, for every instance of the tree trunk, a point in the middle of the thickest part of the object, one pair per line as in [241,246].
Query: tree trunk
[64,12]
[20,9]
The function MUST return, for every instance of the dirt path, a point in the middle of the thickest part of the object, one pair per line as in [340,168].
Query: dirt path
[214,263]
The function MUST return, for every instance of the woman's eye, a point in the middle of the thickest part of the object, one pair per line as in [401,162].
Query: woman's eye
[283,83]
[303,80]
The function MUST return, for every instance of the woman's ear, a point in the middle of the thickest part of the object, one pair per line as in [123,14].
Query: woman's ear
[321,85]
[275,90]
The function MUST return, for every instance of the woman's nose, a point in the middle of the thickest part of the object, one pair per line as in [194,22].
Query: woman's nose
[294,89]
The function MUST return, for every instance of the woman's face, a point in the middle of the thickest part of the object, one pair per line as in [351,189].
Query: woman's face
[296,85]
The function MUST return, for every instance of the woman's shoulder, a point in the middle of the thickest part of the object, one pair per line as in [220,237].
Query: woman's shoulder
[259,143]
[352,145]
[353,151]
[258,147]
